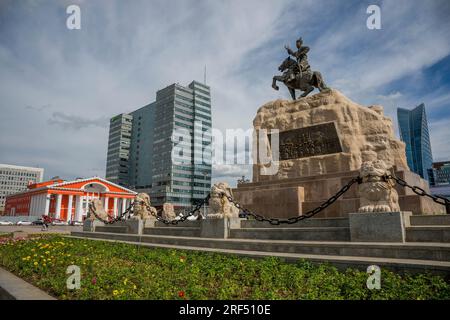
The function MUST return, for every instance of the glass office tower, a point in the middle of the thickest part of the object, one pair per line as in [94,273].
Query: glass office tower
[170,146]
[182,145]
[119,142]
[413,127]
[141,150]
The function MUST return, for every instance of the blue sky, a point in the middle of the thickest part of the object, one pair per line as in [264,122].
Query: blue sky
[59,87]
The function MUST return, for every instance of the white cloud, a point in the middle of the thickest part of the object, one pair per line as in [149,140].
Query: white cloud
[126,51]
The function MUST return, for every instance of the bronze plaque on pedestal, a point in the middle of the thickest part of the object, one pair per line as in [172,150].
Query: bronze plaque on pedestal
[310,141]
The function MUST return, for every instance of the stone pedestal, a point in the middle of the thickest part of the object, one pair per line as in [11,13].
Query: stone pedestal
[218,228]
[323,140]
[90,225]
[284,201]
[135,226]
[379,226]
[150,223]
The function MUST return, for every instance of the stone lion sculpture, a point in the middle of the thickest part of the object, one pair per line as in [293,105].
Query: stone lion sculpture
[142,207]
[96,205]
[219,206]
[376,193]
[168,212]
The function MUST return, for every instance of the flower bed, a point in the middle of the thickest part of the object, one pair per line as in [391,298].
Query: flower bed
[124,271]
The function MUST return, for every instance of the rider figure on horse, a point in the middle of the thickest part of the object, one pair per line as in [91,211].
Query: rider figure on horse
[304,69]
[297,74]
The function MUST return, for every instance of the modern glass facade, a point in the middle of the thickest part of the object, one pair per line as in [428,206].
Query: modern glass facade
[119,143]
[170,147]
[141,153]
[440,173]
[413,127]
[182,145]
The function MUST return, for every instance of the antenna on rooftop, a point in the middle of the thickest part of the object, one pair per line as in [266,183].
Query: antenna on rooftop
[204,76]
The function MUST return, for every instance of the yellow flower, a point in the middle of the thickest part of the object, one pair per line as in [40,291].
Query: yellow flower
[44,264]
[35,263]
[47,252]
[115,292]
[134,287]
[125,281]
[23,259]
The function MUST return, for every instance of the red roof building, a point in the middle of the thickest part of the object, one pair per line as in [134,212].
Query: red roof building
[68,200]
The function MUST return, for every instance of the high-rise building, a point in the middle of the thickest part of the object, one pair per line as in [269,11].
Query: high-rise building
[14,179]
[413,127]
[170,149]
[182,145]
[117,160]
[440,173]
[141,152]
[440,180]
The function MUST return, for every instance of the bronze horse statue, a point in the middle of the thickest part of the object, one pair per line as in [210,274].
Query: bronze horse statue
[304,81]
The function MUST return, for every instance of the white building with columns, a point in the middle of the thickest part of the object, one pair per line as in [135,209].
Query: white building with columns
[68,200]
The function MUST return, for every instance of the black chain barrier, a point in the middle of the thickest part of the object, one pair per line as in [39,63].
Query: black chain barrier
[120,217]
[182,217]
[309,214]
[419,191]
[274,221]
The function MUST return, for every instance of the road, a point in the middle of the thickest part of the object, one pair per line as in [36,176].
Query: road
[38,229]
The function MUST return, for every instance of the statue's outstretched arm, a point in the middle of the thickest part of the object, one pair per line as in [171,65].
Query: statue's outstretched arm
[289,50]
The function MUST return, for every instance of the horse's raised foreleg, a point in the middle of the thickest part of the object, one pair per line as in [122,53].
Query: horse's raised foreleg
[274,82]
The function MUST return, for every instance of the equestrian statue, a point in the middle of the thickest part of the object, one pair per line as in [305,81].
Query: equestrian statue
[297,74]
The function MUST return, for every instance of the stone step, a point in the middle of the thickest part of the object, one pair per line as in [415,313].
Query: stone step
[341,262]
[305,234]
[173,231]
[113,229]
[186,223]
[437,220]
[307,223]
[416,251]
[428,234]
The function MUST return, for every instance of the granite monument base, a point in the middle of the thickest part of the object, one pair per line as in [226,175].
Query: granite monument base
[288,197]
[379,226]
[90,225]
[218,228]
[134,226]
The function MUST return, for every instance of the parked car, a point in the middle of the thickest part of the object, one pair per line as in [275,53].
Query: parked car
[76,223]
[57,222]
[6,223]
[38,222]
[24,223]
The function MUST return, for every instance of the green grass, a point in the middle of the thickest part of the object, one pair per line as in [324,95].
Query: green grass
[124,271]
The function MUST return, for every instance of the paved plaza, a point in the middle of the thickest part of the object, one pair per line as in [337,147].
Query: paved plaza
[38,229]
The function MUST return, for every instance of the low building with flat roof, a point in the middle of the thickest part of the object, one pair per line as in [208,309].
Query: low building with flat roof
[15,179]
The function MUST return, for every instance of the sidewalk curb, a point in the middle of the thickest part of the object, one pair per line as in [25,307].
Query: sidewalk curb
[14,288]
